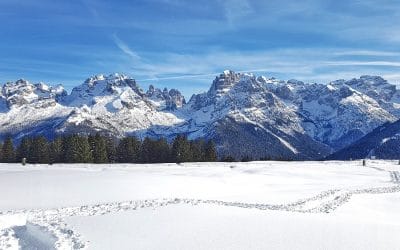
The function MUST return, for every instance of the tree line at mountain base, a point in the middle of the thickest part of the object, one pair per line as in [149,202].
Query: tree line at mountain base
[101,149]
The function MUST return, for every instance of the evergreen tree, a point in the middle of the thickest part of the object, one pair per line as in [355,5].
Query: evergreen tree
[128,150]
[162,151]
[245,158]
[69,148]
[23,149]
[111,150]
[84,150]
[155,151]
[91,142]
[210,152]
[78,150]
[147,151]
[180,151]
[99,149]
[39,150]
[66,151]
[8,153]
[197,150]
[56,150]
[228,159]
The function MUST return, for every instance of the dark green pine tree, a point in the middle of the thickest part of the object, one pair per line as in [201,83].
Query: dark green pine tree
[8,152]
[162,151]
[91,142]
[147,151]
[155,151]
[69,148]
[66,149]
[1,153]
[111,150]
[84,151]
[128,150]
[39,150]
[210,153]
[228,158]
[23,149]
[56,150]
[99,149]
[180,151]
[77,150]
[197,148]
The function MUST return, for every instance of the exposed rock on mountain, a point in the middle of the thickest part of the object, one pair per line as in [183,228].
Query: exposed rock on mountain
[22,92]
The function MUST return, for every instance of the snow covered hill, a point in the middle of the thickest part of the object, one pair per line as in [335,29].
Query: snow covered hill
[253,205]
[244,114]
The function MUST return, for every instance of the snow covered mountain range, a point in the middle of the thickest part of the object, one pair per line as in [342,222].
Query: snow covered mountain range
[246,115]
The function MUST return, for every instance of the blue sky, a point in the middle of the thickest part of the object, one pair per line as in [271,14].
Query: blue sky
[184,44]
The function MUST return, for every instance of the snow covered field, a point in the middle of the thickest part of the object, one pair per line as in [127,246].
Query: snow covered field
[255,205]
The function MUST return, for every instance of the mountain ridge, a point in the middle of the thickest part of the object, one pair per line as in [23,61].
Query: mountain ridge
[284,119]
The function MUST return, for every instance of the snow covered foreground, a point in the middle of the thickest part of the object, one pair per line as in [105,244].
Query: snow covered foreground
[256,205]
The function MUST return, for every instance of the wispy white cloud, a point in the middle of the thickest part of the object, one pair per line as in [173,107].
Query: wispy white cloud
[363,63]
[394,78]
[178,77]
[366,53]
[125,48]
[234,10]
[89,4]
[136,63]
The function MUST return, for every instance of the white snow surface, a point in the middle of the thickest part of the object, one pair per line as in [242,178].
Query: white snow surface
[254,205]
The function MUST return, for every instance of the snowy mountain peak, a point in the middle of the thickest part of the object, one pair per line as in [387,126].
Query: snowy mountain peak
[115,79]
[100,85]
[165,100]
[377,88]
[223,83]
[22,92]
[228,72]
[374,80]
[295,82]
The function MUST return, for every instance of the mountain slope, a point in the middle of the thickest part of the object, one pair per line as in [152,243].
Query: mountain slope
[245,118]
[27,108]
[383,143]
[334,114]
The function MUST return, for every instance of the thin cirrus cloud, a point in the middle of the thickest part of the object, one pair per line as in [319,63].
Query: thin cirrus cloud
[235,10]
[136,62]
[365,63]
[367,53]
[125,48]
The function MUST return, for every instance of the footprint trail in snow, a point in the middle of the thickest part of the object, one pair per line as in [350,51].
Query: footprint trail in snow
[48,228]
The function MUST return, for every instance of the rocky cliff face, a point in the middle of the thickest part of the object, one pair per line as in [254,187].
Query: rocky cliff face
[165,100]
[335,114]
[22,92]
[245,118]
